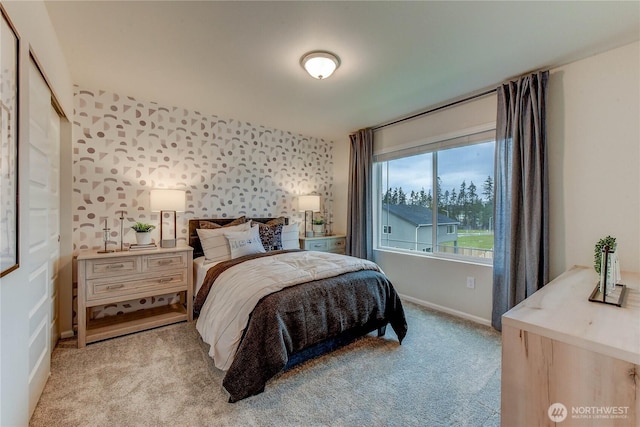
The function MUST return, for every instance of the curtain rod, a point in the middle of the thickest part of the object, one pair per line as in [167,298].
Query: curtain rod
[442,107]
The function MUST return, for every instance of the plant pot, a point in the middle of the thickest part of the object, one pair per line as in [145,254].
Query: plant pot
[143,238]
[318,229]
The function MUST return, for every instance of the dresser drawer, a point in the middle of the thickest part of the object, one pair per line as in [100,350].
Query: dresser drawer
[336,245]
[163,262]
[104,290]
[110,267]
[316,245]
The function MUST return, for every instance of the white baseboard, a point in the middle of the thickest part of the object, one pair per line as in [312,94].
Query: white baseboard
[447,310]
[67,334]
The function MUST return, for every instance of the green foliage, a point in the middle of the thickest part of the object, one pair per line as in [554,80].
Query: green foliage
[318,221]
[141,227]
[597,258]
[463,204]
[477,239]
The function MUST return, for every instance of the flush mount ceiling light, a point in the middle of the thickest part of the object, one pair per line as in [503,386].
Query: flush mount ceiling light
[319,63]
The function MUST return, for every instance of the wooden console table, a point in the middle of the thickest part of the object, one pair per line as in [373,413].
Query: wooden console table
[123,276]
[557,347]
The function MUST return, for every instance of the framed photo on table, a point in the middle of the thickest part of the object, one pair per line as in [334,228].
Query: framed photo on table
[8,148]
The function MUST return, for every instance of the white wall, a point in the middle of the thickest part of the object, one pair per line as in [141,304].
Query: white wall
[440,283]
[36,35]
[434,281]
[593,133]
[593,117]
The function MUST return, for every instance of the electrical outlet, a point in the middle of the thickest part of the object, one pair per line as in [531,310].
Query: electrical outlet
[471,282]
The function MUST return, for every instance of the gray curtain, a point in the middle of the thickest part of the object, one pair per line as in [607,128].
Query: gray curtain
[359,205]
[521,210]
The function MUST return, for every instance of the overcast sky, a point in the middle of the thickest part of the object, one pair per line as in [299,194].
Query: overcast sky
[471,163]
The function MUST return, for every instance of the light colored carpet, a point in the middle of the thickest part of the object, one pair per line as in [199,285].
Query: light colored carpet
[446,373]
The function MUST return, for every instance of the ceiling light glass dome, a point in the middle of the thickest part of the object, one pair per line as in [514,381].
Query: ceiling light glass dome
[320,64]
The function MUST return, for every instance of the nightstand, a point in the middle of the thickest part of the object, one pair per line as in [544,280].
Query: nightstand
[124,276]
[335,243]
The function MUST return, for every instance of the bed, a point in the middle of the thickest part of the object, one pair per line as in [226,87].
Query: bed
[263,311]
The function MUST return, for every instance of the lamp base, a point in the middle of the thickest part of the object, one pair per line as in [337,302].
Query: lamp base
[168,243]
[308,234]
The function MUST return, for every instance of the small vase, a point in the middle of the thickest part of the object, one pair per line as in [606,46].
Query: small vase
[609,271]
[143,238]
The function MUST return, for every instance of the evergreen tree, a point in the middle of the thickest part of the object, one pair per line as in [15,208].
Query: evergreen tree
[487,190]
[394,196]
[487,211]
[462,204]
[452,205]
[474,206]
[422,198]
[413,198]
[402,197]
[387,198]
[439,196]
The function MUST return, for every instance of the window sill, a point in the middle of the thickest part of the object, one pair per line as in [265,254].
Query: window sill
[437,256]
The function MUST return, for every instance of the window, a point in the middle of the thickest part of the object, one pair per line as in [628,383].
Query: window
[454,217]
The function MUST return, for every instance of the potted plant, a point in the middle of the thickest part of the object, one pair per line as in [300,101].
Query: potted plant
[318,226]
[597,258]
[143,232]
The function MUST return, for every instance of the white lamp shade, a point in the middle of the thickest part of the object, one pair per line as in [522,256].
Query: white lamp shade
[319,64]
[309,203]
[167,200]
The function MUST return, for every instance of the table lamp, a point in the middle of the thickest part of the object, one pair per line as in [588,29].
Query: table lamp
[310,203]
[167,202]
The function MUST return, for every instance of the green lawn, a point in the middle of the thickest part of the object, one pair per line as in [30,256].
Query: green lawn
[474,239]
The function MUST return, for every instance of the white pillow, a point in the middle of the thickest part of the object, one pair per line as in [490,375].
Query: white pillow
[244,242]
[215,245]
[290,237]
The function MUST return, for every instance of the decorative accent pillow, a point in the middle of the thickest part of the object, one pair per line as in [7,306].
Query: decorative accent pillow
[212,225]
[206,225]
[271,234]
[215,245]
[290,236]
[244,242]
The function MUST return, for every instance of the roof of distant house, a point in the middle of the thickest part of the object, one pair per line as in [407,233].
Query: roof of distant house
[418,215]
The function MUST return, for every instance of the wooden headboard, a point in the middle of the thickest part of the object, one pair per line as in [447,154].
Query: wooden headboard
[194,224]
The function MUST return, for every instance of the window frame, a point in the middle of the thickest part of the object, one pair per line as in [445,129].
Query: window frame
[465,137]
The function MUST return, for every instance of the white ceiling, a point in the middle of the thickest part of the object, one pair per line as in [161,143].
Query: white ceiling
[240,60]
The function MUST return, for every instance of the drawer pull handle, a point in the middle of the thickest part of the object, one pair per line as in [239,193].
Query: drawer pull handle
[317,245]
[165,280]
[115,265]
[165,262]
[115,286]
[340,243]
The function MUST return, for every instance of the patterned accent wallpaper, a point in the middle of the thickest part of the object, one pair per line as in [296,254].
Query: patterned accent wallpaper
[124,147]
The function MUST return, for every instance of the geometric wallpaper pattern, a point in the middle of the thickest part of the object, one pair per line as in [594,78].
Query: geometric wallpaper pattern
[124,147]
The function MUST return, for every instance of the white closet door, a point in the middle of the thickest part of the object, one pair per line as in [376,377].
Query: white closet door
[43,246]
[54,223]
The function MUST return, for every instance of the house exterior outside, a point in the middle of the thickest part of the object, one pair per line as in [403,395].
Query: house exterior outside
[410,227]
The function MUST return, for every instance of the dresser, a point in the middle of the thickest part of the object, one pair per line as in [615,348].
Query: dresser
[123,276]
[570,359]
[335,243]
